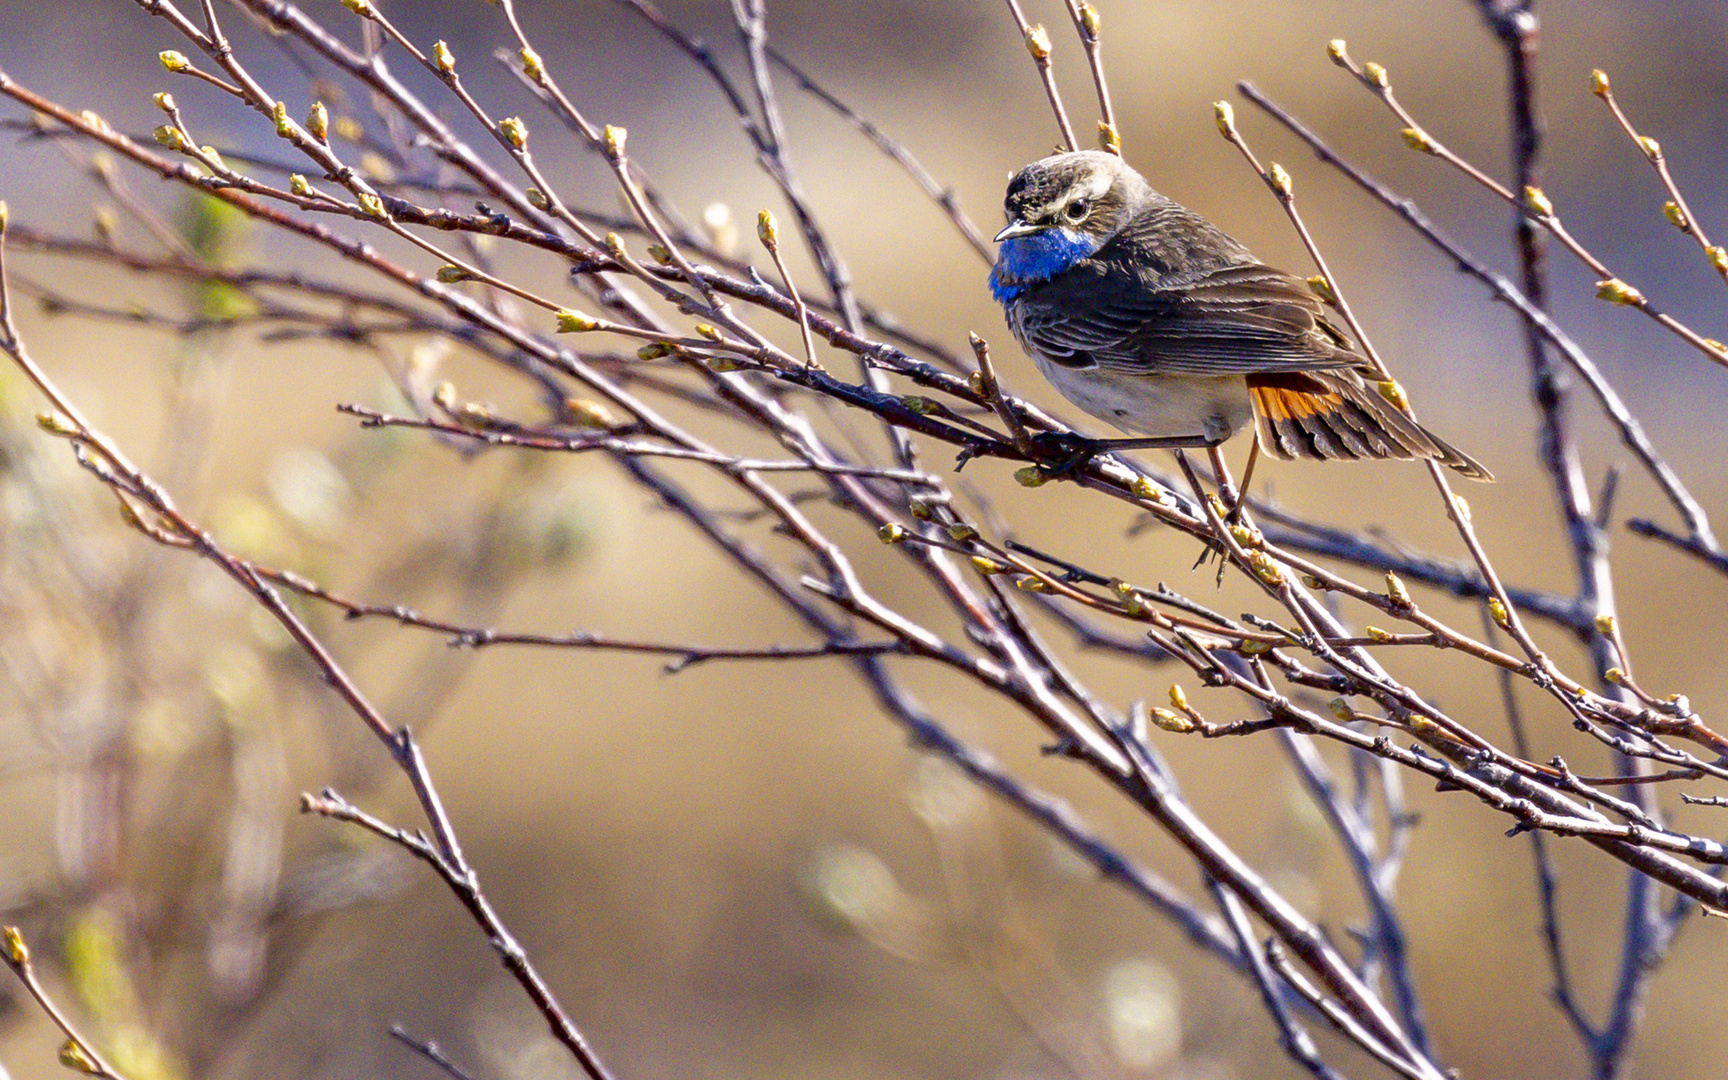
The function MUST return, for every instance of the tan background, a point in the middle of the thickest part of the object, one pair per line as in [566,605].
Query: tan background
[647,836]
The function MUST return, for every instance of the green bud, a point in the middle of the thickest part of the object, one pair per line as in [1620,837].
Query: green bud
[575,322]
[173,60]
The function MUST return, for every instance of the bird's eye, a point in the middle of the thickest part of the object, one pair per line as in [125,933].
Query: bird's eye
[1078,208]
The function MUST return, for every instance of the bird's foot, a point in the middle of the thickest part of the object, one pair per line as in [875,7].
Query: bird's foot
[1064,451]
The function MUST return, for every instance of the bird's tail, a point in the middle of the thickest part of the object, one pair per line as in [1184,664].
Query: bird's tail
[1333,415]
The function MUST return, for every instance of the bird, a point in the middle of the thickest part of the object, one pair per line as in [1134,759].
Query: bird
[1145,314]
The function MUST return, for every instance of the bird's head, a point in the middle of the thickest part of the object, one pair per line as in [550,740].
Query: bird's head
[1060,210]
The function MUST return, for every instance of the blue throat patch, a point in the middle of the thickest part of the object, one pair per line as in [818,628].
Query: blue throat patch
[1027,260]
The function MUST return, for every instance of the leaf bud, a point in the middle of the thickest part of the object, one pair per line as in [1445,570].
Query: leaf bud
[766,231]
[975,383]
[279,113]
[76,1058]
[442,58]
[1618,292]
[531,65]
[1376,634]
[170,136]
[1338,51]
[444,396]
[1225,117]
[371,204]
[1341,709]
[891,533]
[1615,676]
[613,140]
[1173,722]
[920,509]
[1376,75]
[1652,149]
[961,532]
[450,274]
[1676,216]
[588,413]
[1319,286]
[1178,697]
[1265,569]
[1279,179]
[1031,476]
[1605,623]
[1537,202]
[1397,593]
[173,60]
[1599,82]
[654,350]
[1108,140]
[1498,612]
[708,331]
[574,322]
[55,424]
[15,946]
[515,132]
[1032,584]
[1090,21]
[362,8]
[1417,139]
[300,186]
[318,121]
[660,253]
[164,100]
[988,566]
[1718,257]
[1038,42]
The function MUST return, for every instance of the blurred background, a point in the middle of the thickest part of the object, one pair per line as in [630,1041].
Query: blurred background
[743,870]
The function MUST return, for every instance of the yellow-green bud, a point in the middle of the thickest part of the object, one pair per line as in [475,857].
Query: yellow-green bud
[1146,489]
[722,364]
[588,413]
[1280,180]
[1319,286]
[475,415]
[515,132]
[1652,149]
[1599,82]
[1615,676]
[1417,139]
[363,8]
[961,532]
[1108,140]
[537,199]
[531,65]
[575,322]
[1395,590]
[1393,391]
[55,424]
[1038,42]
[74,1057]
[975,383]
[1376,75]
[1031,476]
[923,406]
[654,350]
[1254,647]
[1265,569]
[1338,52]
[891,533]
[1498,612]
[283,127]
[708,331]
[1462,505]
[371,204]
[1376,634]
[1090,21]
[164,100]
[1537,202]
[988,566]
[15,946]
[1341,709]
[1313,582]
[1225,117]
[1605,624]
[170,136]
[1247,535]
[444,396]
[1032,584]
[450,274]
[1178,697]
[1618,292]
[1676,216]
[174,60]
[766,230]
[318,121]
[299,185]
[1173,722]
[442,58]
[660,253]
[613,140]
[214,157]
[920,509]
[615,245]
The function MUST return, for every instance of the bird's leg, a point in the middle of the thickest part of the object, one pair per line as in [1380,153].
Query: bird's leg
[1241,502]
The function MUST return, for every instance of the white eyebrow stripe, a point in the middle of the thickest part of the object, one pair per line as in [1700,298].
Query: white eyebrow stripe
[1096,185]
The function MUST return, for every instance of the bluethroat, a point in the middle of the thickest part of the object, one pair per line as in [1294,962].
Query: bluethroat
[1145,314]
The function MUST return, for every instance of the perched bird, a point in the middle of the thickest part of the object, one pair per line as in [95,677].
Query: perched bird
[1145,314]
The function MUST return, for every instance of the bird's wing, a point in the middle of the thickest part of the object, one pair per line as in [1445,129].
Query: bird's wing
[1234,320]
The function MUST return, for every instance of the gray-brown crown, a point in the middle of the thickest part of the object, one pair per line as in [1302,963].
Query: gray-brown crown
[1089,191]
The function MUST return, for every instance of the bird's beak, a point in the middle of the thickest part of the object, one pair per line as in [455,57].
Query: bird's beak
[1017,228]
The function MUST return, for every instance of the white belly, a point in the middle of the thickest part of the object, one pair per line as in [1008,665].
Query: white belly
[1169,406]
